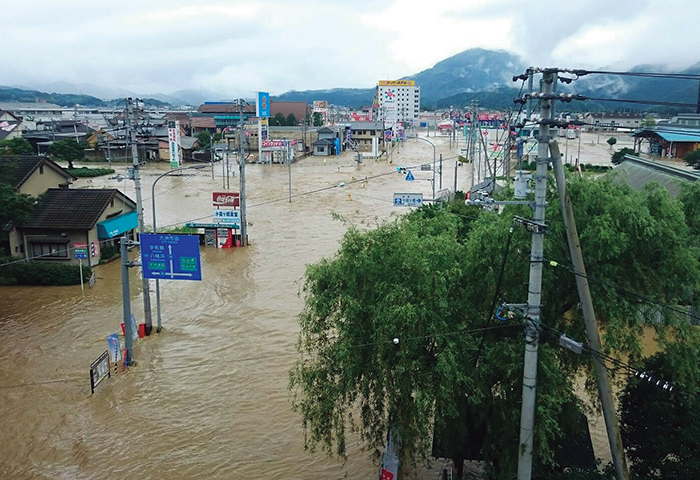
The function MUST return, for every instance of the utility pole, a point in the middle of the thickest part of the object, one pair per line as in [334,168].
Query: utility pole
[456,165]
[128,334]
[139,207]
[289,168]
[612,425]
[241,166]
[441,171]
[534,300]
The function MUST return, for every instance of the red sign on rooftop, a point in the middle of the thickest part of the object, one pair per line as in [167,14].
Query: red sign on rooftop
[226,199]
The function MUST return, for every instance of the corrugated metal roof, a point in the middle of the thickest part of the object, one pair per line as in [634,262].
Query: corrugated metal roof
[637,172]
[679,136]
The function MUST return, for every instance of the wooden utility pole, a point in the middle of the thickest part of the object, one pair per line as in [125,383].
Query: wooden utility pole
[612,425]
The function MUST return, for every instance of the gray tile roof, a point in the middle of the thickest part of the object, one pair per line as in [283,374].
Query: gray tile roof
[16,169]
[637,172]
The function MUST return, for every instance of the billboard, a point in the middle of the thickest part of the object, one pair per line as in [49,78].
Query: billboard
[262,105]
[397,83]
[264,129]
[226,199]
[174,143]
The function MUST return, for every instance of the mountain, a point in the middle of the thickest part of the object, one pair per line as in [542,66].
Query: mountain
[472,70]
[11,94]
[98,91]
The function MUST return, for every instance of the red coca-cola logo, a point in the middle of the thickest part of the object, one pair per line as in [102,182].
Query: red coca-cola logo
[226,199]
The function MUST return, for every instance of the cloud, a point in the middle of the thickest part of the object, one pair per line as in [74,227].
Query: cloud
[235,47]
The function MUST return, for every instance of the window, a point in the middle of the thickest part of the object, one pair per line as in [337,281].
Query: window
[41,169]
[321,149]
[53,250]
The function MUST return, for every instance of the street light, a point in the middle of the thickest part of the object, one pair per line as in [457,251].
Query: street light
[432,145]
[155,228]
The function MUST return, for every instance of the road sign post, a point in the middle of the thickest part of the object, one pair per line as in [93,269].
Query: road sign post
[170,257]
[408,199]
[80,252]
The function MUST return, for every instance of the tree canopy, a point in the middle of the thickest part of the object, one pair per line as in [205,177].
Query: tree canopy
[68,150]
[15,146]
[204,138]
[617,157]
[429,279]
[291,120]
[318,119]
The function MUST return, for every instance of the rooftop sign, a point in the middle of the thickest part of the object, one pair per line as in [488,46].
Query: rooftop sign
[397,83]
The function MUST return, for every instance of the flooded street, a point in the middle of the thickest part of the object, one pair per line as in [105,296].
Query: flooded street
[209,395]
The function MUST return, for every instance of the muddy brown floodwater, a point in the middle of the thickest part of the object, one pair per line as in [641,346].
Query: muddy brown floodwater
[209,397]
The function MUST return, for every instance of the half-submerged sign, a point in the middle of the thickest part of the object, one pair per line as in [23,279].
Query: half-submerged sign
[170,257]
[99,370]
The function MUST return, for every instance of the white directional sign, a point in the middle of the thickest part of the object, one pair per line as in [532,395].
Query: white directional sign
[408,199]
[227,216]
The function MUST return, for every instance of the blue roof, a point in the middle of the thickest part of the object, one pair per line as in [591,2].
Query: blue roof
[676,135]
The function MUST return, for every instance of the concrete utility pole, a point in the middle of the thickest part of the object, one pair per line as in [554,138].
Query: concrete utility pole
[534,299]
[441,171]
[456,165]
[139,207]
[241,166]
[128,334]
[289,167]
[612,425]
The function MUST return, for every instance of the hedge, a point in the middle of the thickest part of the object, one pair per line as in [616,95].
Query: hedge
[85,172]
[39,273]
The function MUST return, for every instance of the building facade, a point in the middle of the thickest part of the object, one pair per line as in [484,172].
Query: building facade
[397,101]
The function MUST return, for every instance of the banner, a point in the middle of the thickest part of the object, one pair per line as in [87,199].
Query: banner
[174,143]
[115,351]
[262,105]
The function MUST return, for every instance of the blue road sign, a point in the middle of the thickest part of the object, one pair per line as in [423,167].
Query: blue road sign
[170,257]
[409,177]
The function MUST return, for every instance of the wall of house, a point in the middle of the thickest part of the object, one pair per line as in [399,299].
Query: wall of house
[65,239]
[41,180]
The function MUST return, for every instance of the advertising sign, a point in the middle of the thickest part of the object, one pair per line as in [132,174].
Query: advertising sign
[99,370]
[114,348]
[264,129]
[262,105]
[80,250]
[174,143]
[170,257]
[223,236]
[397,83]
[408,199]
[226,199]
[277,143]
[95,249]
[227,216]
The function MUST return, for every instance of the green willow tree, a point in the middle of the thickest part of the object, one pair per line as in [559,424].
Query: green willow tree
[429,279]
[68,150]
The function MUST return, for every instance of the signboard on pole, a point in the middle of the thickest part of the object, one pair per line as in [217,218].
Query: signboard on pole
[99,370]
[408,199]
[114,348]
[262,105]
[264,129]
[170,257]
[174,143]
[80,250]
[226,199]
[410,177]
[228,216]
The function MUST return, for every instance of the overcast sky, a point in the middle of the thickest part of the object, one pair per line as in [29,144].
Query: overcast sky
[238,47]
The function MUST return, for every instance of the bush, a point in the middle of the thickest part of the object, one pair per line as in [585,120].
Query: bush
[693,159]
[617,157]
[108,252]
[611,141]
[36,273]
[85,172]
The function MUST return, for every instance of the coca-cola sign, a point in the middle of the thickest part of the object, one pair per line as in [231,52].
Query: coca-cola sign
[226,199]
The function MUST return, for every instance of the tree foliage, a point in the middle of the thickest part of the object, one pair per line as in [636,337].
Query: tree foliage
[693,159]
[68,150]
[318,119]
[278,120]
[204,138]
[611,141]
[291,120]
[619,156]
[15,146]
[661,430]
[430,276]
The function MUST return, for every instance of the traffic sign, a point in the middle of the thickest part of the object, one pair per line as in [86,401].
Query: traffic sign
[80,250]
[408,199]
[170,257]
[409,177]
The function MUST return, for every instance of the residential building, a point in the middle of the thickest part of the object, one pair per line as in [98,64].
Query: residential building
[325,145]
[33,175]
[397,101]
[367,136]
[665,142]
[225,114]
[66,217]
[9,126]
[637,172]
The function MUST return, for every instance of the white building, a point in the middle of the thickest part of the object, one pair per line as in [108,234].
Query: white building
[398,101]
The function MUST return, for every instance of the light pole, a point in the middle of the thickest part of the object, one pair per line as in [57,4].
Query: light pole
[155,227]
[432,145]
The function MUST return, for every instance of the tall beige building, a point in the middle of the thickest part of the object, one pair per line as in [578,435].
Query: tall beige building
[397,100]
